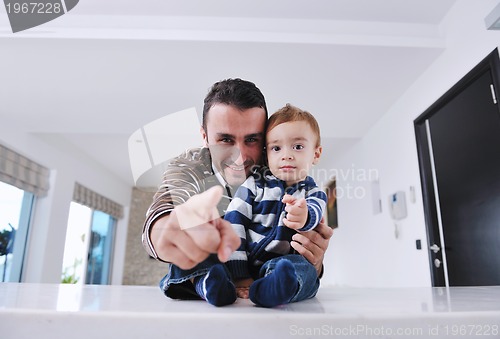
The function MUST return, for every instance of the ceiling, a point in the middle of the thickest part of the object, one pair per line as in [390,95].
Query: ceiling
[91,78]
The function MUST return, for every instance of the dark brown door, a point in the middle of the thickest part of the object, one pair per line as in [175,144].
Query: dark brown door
[459,152]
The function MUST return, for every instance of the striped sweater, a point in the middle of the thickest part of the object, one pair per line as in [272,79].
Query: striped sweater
[256,214]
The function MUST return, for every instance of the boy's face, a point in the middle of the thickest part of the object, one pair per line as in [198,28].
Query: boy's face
[235,139]
[291,151]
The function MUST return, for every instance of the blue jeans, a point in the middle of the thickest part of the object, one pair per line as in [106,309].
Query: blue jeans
[307,276]
[177,283]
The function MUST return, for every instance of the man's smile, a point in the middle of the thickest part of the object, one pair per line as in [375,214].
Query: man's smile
[236,168]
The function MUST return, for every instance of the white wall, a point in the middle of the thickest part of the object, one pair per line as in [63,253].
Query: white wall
[364,251]
[48,228]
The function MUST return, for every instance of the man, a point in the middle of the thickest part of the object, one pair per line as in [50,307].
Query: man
[233,127]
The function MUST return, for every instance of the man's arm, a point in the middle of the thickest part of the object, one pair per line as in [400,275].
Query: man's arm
[192,231]
[313,244]
[164,238]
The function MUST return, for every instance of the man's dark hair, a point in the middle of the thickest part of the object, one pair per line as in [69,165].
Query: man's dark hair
[239,93]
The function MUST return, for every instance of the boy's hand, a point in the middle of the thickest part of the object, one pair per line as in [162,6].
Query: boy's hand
[296,212]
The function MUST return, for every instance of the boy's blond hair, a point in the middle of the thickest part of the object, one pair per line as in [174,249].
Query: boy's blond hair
[291,113]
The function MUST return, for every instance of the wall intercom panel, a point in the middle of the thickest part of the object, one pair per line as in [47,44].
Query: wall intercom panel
[397,205]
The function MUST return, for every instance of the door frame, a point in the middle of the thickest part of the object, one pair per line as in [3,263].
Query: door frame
[489,64]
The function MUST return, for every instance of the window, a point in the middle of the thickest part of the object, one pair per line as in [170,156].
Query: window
[90,237]
[21,179]
[100,248]
[75,248]
[15,212]
[89,246]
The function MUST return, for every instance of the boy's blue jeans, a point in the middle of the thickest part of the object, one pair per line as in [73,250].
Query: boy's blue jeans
[307,276]
[177,285]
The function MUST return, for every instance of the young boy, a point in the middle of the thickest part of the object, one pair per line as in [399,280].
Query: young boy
[266,211]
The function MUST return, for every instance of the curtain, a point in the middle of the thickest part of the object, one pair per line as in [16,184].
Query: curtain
[23,173]
[89,198]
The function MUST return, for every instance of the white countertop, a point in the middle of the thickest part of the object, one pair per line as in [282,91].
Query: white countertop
[91,311]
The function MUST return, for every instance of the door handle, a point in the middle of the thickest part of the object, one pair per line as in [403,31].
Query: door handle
[434,248]
[437,263]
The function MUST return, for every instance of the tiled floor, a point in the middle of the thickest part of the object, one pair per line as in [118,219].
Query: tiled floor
[70,311]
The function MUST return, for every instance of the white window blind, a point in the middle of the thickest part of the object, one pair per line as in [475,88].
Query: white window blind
[23,173]
[89,198]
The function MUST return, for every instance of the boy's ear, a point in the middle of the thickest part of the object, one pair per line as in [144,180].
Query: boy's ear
[317,154]
[204,136]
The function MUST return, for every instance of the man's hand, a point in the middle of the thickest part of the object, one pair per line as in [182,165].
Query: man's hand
[193,231]
[296,212]
[243,287]
[313,244]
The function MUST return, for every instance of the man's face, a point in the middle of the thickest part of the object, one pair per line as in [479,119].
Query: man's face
[235,139]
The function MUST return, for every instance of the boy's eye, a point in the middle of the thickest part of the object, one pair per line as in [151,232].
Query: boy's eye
[298,147]
[275,148]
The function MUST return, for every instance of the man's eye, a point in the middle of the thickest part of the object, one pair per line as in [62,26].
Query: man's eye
[225,140]
[251,140]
